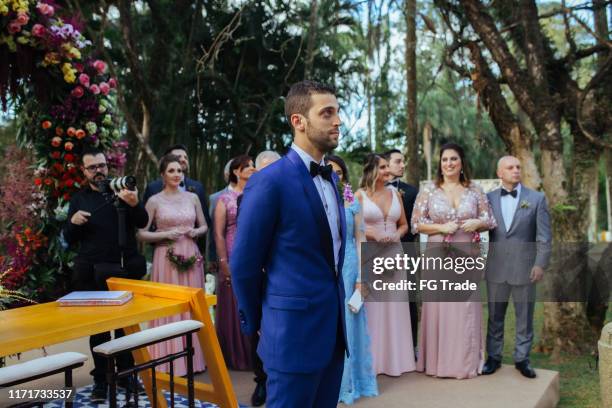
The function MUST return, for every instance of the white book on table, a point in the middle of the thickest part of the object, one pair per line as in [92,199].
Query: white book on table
[95,298]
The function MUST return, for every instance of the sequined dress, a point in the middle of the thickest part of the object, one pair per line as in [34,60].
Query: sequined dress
[176,212]
[450,337]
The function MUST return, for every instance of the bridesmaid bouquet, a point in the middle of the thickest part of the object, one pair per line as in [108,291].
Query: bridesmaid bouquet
[347,194]
[181,262]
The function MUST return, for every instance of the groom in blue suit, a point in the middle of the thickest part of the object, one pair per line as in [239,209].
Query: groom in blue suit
[291,225]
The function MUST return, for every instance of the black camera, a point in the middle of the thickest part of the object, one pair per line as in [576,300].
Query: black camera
[110,187]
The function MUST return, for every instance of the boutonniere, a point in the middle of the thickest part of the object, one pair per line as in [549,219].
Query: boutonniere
[525,204]
[191,189]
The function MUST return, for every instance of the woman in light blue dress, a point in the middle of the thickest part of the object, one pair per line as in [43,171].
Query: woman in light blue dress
[358,379]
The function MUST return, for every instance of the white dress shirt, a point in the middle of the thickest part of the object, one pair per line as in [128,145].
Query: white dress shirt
[509,205]
[328,198]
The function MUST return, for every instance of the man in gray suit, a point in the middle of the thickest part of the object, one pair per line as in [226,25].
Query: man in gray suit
[519,253]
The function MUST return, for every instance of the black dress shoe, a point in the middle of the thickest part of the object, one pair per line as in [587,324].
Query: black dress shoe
[259,395]
[99,392]
[491,366]
[525,369]
[128,386]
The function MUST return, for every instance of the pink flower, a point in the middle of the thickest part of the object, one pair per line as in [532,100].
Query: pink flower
[84,80]
[100,66]
[104,88]
[77,92]
[45,9]
[22,18]
[38,30]
[112,83]
[78,66]
[95,89]
[14,27]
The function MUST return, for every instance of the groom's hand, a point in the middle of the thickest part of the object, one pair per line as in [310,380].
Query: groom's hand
[537,273]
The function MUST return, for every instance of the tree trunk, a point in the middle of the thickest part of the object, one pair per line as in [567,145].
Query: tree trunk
[608,158]
[412,173]
[312,33]
[517,139]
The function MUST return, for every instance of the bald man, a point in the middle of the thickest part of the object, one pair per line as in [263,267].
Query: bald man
[519,253]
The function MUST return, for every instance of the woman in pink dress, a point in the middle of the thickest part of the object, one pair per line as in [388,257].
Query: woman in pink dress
[385,222]
[452,209]
[179,221]
[236,347]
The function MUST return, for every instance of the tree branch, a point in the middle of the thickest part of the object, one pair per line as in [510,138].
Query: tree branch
[518,81]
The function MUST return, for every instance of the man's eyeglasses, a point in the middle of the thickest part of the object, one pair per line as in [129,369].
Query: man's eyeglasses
[95,167]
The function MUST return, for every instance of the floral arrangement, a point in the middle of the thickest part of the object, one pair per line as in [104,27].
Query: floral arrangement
[181,262]
[7,296]
[65,98]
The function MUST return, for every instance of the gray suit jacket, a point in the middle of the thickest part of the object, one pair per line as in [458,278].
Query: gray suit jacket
[525,243]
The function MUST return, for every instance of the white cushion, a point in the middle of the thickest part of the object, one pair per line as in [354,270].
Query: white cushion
[39,366]
[147,336]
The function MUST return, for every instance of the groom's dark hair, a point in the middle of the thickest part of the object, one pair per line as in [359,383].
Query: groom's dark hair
[298,99]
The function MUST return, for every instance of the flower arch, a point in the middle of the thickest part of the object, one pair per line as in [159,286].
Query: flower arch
[66,101]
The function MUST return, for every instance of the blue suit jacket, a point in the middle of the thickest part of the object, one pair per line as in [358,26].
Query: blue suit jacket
[195,186]
[298,302]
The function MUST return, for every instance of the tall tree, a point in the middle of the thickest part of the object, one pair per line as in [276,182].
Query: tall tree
[544,86]
[411,153]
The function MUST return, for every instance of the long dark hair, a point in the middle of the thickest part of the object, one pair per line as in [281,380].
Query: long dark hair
[464,177]
[338,160]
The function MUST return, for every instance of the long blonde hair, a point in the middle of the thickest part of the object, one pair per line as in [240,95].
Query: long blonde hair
[370,172]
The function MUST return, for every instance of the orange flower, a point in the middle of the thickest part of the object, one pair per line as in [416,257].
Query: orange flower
[68,146]
[59,131]
[56,141]
[80,134]
[71,131]
[46,124]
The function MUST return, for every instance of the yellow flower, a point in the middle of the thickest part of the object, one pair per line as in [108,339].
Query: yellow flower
[20,5]
[69,73]
[51,58]
[23,40]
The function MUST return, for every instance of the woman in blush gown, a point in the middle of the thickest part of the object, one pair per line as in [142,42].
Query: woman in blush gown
[175,213]
[452,210]
[385,222]
[236,347]
[358,377]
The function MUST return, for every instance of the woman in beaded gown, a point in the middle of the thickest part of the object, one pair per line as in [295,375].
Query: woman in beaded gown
[175,214]
[236,347]
[358,377]
[385,222]
[452,209]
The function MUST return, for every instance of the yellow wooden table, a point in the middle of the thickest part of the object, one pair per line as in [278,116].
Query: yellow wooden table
[41,325]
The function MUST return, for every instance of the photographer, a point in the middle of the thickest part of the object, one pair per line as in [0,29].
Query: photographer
[93,223]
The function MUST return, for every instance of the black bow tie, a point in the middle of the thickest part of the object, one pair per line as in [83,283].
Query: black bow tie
[323,171]
[513,193]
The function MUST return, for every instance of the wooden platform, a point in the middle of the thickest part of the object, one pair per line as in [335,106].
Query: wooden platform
[505,388]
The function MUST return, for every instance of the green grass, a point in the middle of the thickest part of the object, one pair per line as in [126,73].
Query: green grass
[579,376]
